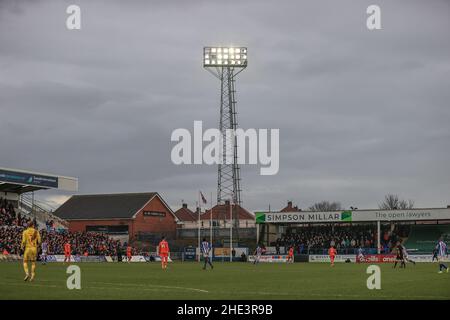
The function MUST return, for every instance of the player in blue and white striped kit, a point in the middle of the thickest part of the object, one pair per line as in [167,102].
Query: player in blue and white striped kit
[206,248]
[441,248]
[258,252]
[44,248]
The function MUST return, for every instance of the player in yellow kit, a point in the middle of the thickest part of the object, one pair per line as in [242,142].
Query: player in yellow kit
[30,241]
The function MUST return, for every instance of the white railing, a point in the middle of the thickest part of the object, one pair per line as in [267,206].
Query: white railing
[40,210]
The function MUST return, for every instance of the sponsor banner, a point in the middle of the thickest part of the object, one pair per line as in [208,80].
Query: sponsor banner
[10,257]
[337,258]
[225,252]
[376,258]
[28,179]
[300,217]
[50,258]
[189,253]
[425,258]
[134,259]
[158,259]
[92,259]
[76,258]
[273,250]
[155,257]
[353,216]
[270,258]
[60,258]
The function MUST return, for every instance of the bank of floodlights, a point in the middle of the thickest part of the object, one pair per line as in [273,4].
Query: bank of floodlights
[235,57]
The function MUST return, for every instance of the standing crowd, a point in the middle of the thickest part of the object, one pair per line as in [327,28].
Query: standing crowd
[82,243]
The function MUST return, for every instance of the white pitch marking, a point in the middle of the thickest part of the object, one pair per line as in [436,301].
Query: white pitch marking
[153,285]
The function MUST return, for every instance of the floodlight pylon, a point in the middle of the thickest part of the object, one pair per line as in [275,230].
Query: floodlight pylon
[226,70]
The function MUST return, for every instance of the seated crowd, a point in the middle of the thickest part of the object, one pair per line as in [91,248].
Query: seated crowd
[8,216]
[313,238]
[83,243]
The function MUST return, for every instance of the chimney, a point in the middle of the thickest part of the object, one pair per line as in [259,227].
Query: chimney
[227,202]
[185,205]
[289,204]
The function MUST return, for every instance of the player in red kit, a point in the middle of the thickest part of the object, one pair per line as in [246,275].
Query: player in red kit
[67,252]
[163,252]
[332,253]
[291,255]
[128,254]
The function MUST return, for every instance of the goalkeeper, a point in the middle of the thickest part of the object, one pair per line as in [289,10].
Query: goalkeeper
[30,241]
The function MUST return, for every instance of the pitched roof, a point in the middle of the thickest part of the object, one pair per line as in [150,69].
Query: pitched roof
[185,214]
[104,206]
[222,212]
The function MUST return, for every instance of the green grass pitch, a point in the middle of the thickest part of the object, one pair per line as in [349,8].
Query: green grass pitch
[226,281]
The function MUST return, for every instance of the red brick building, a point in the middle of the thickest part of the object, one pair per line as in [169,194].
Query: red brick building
[135,216]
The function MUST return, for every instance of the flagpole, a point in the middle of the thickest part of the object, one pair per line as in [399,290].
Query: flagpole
[231,231]
[211,221]
[199,210]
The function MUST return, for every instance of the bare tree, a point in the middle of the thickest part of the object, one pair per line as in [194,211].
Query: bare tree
[393,202]
[326,206]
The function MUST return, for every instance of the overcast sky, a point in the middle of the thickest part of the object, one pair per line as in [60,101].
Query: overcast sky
[361,113]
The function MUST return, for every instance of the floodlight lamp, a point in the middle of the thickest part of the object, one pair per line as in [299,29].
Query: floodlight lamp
[225,57]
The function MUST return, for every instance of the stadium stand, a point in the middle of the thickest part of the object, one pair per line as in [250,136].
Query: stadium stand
[346,239]
[12,224]
[423,238]
[8,215]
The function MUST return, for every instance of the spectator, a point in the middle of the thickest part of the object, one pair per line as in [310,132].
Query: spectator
[346,238]
[87,243]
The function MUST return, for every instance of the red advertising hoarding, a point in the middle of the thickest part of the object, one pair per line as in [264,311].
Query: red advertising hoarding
[376,258]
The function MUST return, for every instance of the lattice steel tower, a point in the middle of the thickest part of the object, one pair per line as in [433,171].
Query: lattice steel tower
[226,63]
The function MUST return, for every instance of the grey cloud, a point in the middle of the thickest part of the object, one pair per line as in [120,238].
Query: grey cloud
[360,113]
